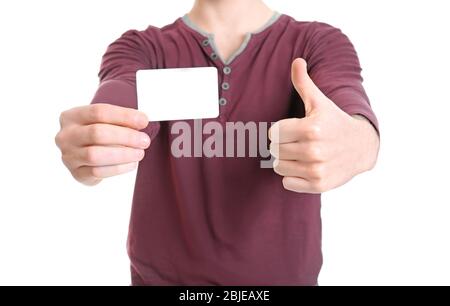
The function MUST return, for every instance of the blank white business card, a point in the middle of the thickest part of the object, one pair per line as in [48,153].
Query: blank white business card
[178,94]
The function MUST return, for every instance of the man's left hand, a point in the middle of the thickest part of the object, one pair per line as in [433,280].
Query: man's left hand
[327,147]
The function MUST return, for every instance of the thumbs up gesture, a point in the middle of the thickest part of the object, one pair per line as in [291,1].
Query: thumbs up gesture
[327,147]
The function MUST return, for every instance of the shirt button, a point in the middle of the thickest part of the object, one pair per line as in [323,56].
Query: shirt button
[225,86]
[226,70]
[223,101]
[214,56]
[205,42]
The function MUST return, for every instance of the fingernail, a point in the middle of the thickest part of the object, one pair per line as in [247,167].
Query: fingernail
[145,140]
[140,154]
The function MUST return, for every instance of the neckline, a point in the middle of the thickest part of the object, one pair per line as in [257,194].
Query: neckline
[190,24]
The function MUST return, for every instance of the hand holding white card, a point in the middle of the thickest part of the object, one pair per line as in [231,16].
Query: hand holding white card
[178,94]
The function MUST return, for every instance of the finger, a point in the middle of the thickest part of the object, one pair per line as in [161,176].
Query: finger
[96,156]
[285,131]
[304,85]
[300,185]
[106,113]
[288,130]
[107,134]
[298,151]
[296,169]
[106,171]
[285,151]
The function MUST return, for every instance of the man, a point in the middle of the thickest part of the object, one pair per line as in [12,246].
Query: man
[227,221]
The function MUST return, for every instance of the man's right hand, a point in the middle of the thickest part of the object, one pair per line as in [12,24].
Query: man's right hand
[101,140]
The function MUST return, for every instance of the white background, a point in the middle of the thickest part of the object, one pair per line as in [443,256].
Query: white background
[387,227]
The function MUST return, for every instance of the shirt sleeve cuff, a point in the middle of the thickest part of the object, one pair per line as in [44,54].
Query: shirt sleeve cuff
[354,104]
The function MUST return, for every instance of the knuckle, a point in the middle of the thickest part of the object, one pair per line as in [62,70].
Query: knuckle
[91,155]
[315,153]
[59,139]
[76,173]
[97,112]
[319,186]
[314,132]
[96,133]
[66,160]
[317,171]
[95,172]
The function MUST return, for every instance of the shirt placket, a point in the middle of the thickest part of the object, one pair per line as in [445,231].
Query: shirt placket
[225,72]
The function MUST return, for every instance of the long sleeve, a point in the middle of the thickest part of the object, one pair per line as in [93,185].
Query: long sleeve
[118,69]
[334,66]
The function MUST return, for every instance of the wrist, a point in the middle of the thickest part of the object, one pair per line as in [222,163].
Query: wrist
[368,142]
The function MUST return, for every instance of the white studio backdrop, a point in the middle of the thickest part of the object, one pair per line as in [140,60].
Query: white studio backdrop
[387,227]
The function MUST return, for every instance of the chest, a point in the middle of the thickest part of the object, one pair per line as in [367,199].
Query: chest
[254,79]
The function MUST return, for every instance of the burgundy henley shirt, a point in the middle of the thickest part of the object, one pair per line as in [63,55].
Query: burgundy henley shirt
[227,221]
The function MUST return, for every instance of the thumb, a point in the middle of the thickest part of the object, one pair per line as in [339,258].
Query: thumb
[308,91]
